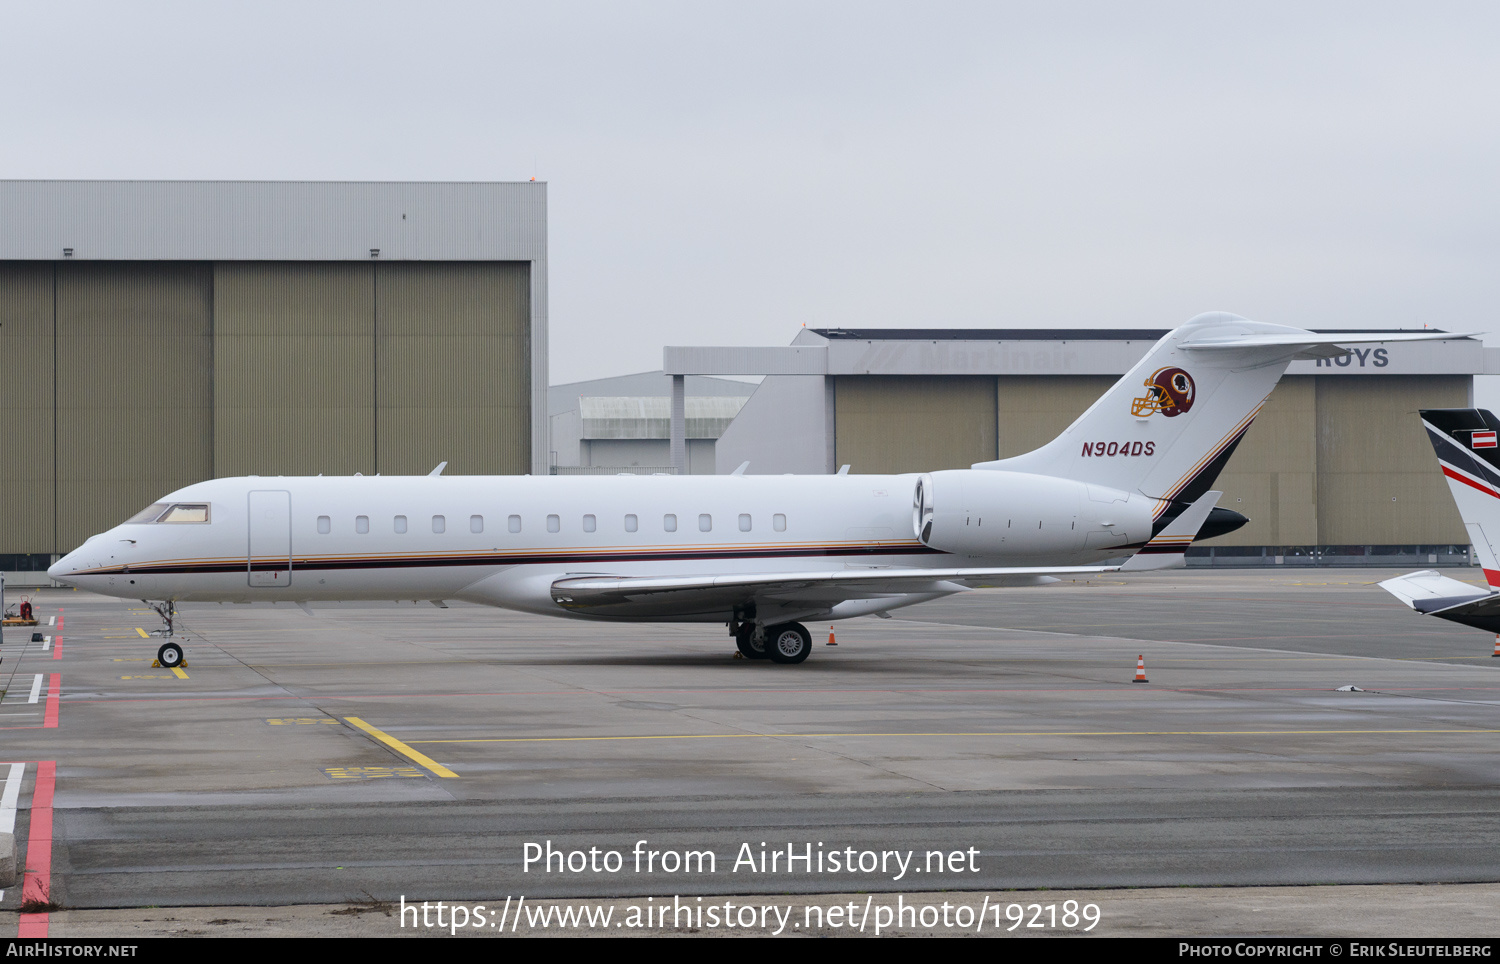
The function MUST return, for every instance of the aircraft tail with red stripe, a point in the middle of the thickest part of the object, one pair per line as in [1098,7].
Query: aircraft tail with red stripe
[1467,442]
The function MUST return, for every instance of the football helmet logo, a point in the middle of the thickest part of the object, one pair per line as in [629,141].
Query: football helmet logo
[1169,391]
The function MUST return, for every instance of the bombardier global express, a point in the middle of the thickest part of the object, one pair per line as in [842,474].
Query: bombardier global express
[1131,477]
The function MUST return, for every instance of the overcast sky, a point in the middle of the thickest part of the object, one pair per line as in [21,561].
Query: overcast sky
[725,173]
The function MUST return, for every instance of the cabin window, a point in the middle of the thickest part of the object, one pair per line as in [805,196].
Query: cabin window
[590,523]
[778,522]
[325,524]
[631,523]
[399,524]
[705,523]
[744,522]
[514,523]
[554,524]
[439,524]
[476,523]
[361,523]
[669,522]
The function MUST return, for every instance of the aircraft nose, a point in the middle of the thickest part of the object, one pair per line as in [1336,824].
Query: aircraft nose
[64,567]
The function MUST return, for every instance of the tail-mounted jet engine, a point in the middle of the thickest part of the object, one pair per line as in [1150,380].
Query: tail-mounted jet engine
[982,512]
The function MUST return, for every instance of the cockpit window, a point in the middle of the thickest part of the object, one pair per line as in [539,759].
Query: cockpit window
[149,514]
[186,512]
[172,512]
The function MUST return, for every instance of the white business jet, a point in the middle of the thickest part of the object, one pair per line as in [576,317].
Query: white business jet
[1130,478]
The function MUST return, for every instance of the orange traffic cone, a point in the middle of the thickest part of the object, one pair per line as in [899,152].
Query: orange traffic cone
[1497,646]
[832,643]
[1140,671]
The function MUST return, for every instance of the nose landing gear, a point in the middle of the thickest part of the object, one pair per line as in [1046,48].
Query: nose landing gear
[170,656]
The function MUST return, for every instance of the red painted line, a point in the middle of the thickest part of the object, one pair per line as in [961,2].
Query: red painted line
[1469,482]
[585,694]
[54,693]
[57,645]
[38,883]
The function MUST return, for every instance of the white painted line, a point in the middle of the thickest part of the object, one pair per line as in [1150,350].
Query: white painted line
[52,621]
[36,688]
[9,798]
[46,643]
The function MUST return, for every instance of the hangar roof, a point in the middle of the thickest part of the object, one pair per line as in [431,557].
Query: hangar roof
[273,221]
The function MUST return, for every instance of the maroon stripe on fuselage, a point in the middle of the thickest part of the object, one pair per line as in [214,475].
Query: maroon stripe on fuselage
[499,559]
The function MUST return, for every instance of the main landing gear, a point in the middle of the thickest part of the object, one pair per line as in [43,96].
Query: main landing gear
[783,643]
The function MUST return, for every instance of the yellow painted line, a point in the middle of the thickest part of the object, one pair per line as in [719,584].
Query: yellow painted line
[403,749]
[177,671]
[142,633]
[784,736]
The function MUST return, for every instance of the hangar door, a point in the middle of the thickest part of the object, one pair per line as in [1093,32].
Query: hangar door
[912,423]
[270,558]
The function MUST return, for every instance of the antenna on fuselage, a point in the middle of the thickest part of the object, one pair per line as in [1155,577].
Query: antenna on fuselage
[439,470]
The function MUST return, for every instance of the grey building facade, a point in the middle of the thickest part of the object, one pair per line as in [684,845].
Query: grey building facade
[623,424]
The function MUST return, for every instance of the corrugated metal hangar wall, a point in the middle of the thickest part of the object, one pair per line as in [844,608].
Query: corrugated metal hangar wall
[126,379]
[168,374]
[1329,461]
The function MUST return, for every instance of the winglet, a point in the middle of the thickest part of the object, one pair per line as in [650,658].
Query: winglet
[1168,548]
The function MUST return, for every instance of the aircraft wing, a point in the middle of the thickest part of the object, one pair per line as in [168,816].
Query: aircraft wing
[1437,595]
[646,596]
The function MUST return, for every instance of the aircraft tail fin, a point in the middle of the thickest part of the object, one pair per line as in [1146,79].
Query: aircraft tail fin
[1167,428]
[1467,443]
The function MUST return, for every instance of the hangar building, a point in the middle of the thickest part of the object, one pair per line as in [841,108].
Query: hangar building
[156,334]
[1335,467]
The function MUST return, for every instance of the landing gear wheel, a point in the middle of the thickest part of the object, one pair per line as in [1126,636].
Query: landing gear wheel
[788,643]
[170,655]
[745,640]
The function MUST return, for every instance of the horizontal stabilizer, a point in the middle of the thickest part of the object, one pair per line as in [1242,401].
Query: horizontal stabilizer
[1437,595]
[1313,340]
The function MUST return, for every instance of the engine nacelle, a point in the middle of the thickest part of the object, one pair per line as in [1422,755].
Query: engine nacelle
[986,513]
